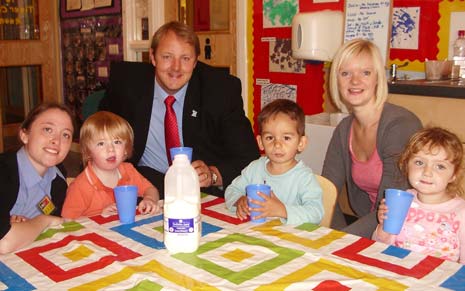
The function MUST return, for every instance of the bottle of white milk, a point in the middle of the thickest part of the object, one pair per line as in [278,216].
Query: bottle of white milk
[182,223]
[459,52]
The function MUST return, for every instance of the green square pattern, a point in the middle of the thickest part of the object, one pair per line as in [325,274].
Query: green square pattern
[146,285]
[284,255]
[69,226]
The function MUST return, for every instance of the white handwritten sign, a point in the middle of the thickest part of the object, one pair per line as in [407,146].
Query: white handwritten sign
[369,19]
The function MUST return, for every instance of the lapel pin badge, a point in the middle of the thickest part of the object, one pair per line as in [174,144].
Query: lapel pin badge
[194,113]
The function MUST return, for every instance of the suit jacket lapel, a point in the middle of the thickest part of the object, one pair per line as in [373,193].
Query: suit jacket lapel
[143,106]
[191,115]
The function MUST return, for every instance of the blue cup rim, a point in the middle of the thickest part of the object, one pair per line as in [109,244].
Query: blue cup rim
[404,192]
[187,151]
[179,148]
[125,187]
[258,185]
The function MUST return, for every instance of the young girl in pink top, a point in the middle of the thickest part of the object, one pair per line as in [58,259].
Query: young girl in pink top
[433,162]
[106,141]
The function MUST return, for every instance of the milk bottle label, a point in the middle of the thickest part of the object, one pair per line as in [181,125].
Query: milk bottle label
[182,225]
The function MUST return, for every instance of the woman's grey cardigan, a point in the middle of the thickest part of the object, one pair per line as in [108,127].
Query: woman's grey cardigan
[395,128]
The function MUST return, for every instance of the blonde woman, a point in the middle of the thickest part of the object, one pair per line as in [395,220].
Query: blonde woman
[365,146]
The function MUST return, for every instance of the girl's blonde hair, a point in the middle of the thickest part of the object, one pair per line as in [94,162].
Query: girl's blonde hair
[105,122]
[346,53]
[431,139]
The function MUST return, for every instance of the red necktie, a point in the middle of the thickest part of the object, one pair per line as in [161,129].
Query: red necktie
[171,127]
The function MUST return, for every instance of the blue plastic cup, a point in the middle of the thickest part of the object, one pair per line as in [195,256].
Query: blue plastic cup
[181,150]
[126,203]
[251,191]
[398,203]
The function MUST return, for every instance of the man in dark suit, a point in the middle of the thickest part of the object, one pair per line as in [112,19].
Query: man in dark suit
[208,106]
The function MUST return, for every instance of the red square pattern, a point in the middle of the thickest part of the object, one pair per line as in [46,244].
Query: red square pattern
[33,257]
[102,220]
[217,215]
[423,268]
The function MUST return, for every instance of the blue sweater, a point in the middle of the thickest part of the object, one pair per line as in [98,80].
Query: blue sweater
[298,189]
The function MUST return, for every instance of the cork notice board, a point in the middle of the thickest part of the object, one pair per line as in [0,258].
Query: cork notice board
[369,19]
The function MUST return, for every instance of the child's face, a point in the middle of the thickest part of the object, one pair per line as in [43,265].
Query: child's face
[280,140]
[430,173]
[48,140]
[107,153]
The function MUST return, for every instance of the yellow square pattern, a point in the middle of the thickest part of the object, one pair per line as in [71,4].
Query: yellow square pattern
[237,255]
[78,253]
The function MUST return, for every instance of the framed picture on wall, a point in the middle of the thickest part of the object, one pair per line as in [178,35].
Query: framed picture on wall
[83,8]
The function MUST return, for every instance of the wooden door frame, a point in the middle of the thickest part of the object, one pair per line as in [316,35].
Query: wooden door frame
[167,10]
[44,52]
[32,52]
[171,12]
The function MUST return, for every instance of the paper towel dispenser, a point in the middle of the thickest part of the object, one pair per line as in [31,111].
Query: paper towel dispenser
[317,35]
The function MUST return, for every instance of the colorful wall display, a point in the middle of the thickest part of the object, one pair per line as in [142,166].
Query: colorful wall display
[419,30]
[89,44]
[427,25]
[275,73]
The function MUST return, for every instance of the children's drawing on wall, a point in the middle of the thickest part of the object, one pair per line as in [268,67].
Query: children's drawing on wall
[279,13]
[405,27]
[281,59]
[272,91]
[89,45]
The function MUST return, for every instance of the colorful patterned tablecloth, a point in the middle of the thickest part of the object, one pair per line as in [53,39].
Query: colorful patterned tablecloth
[99,253]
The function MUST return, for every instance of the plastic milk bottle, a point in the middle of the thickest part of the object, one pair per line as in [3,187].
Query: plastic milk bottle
[182,225]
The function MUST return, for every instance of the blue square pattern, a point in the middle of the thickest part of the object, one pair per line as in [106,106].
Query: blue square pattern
[127,230]
[12,280]
[396,252]
[457,281]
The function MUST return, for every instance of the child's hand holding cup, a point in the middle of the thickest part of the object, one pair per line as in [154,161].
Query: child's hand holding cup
[252,193]
[398,203]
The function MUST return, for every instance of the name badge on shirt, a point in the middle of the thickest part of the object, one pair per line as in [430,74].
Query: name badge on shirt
[46,205]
